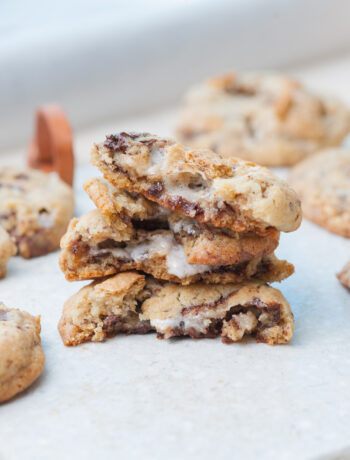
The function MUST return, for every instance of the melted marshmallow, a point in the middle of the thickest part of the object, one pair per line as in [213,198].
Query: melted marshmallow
[177,263]
[197,322]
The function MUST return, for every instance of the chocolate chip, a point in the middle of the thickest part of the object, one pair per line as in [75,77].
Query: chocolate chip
[116,142]
[119,142]
[113,323]
[156,189]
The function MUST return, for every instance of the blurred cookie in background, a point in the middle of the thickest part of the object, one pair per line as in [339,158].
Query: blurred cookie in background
[264,117]
[35,209]
[323,185]
[7,250]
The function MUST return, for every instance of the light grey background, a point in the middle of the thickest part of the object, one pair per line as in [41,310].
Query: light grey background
[104,59]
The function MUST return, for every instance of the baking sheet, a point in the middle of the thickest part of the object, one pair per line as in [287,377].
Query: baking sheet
[139,397]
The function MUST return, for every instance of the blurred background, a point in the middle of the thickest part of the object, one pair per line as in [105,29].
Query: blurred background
[110,61]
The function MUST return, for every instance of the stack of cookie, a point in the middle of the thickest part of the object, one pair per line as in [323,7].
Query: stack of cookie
[182,242]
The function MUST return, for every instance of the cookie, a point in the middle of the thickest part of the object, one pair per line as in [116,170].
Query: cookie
[344,276]
[132,303]
[103,309]
[202,243]
[266,118]
[7,250]
[21,356]
[35,209]
[199,184]
[94,248]
[323,184]
[230,311]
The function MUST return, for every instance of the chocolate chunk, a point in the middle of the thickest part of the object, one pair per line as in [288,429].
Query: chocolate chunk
[113,323]
[177,203]
[116,142]
[156,189]
[197,308]
[119,142]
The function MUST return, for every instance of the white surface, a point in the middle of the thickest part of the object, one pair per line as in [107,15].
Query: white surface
[138,397]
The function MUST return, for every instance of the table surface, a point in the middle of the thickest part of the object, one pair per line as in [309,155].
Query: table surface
[139,397]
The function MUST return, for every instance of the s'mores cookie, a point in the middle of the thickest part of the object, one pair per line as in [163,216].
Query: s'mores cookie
[21,355]
[230,311]
[35,209]
[93,248]
[7,250]
[263,117]
[199,184]
[203,243]
[132,303]
[323,184]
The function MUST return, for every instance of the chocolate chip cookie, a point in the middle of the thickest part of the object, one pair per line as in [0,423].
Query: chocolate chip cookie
[264,117]
[7,250]
[35,209]
[230,311]
[93,248]
[323,184]
[202,243]
[199,184]
[132,303]
[21,356]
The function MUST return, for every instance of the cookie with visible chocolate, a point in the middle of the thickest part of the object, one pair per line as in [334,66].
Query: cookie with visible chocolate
[199,184]
[344,275]
[21,356]
[230,311]
[323,184]
[203,243]
[104,308]
[132,303]
[7,250]
[35,209]
[94,248]
[263,117]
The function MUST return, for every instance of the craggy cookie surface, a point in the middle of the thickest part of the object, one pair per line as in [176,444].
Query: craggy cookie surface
[7,250]
[132,303]
[35,209]
[323,184]
[93,247]
[21,355]
[267,118]
[200,184]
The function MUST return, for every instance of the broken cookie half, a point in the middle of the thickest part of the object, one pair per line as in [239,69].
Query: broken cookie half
[133,303]
[200,184]
[93,248]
